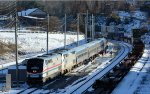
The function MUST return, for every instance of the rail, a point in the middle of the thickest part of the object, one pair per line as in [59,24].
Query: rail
[77,90]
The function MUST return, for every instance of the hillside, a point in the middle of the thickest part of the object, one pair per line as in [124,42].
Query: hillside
[30,44]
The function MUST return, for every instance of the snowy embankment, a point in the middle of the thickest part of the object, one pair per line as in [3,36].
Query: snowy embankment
[32,44]
[133,82]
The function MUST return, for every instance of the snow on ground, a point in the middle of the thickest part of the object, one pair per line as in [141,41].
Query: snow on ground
[134,25]
[29,90]
[33,43]
[123,15]
[136,19]
[139,15]
[135,14]
[136,81]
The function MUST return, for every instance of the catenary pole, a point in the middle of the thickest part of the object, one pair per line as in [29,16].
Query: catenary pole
[16,46]
[92,27]
[47,31]
[78,29]
[86,25]
[65,32]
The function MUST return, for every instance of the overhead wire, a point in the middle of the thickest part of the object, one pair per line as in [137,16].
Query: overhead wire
[8,19]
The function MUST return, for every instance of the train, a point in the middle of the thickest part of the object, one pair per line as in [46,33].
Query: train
[48,66]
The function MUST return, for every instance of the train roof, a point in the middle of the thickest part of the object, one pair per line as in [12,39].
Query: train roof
[77,49]
[93,42]
[48,56]
[63,51]
[56,53]
[60,50]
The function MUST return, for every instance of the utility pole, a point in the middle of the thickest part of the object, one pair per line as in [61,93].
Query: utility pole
[78,29]
[65,33]
[92,27]
[47,31]
[16,46]
[86,26]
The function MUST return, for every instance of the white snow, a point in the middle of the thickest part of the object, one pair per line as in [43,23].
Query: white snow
[132,82]
[138,20]
[139,15]
[123,15]
[33,42]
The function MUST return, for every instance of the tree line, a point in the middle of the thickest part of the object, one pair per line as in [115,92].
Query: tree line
[61,7]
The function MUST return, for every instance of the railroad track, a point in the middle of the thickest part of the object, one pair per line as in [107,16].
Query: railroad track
[24,90]
[80,90]
[136,77]
[92,77]
[30,90]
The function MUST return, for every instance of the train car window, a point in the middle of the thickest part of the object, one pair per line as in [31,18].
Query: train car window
[50,61]
[66,55]
[34,68]
[73,52]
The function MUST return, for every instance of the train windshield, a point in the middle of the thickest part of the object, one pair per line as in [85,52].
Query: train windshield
[35,65]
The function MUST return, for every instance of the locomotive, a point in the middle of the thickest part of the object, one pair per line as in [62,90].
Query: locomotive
[48,66]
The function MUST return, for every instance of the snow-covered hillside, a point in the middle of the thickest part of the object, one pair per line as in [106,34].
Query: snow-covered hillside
[137,80]
[35,42]
[135,19]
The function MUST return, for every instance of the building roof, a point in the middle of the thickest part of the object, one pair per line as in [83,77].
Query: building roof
[26,12]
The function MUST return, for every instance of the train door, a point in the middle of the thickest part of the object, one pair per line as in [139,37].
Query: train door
[62,64]
[45,74]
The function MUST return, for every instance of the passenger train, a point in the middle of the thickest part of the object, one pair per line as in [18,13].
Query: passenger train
[48,66]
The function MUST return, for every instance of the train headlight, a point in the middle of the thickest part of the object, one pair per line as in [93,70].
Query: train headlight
[34,71]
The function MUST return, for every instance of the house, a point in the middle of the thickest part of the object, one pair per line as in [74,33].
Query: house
[32,17]
[35,12]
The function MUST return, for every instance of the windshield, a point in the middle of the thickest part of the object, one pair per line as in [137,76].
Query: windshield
[35,65]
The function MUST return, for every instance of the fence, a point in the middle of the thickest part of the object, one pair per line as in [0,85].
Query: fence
[29,31]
